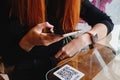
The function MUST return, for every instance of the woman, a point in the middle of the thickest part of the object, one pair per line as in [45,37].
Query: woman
[29,42]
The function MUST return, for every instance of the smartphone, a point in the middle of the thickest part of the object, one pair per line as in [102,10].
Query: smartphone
[75,33]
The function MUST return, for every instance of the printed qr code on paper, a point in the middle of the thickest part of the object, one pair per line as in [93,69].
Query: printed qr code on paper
[68,73]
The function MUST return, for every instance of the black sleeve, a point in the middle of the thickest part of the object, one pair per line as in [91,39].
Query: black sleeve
[93,15]
[11,32]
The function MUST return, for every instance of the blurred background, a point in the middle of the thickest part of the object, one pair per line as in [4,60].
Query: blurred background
[113,10]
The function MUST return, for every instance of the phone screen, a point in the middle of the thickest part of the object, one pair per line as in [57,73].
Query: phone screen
[75,33]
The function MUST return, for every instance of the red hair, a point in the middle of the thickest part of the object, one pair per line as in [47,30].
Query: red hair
[32,12]
[29,12]
[71,15]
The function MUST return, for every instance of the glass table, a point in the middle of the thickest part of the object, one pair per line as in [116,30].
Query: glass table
[99,63]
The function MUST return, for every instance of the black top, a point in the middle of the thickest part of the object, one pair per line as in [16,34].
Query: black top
[11,32]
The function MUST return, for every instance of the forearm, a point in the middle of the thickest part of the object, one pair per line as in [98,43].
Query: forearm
[93,16]
[99,29]
[25,45]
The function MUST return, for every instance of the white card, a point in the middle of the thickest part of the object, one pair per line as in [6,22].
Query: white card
[67,72]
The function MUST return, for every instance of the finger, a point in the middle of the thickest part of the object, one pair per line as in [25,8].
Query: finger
[51,30]
[58,54]
[48,25]
[63,56]
[44,25]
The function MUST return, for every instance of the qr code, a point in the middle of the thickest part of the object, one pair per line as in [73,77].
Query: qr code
[68,73]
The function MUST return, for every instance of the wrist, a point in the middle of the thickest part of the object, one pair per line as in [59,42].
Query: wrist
[85,39]
[25,45]
[93,37]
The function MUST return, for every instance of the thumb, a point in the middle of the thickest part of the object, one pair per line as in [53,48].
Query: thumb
[44,25]
[48,25]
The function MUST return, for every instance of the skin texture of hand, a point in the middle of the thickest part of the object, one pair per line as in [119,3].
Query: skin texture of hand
[73,47]
[36,37]
[82,41]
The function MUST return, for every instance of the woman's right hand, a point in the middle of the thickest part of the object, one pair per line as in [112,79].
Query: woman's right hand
[36,37]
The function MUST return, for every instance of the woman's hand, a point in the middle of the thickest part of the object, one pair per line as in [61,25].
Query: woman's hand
[82,41]
[73,47]
[36,37]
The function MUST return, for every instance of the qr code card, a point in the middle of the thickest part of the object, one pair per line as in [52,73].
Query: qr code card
[67,72]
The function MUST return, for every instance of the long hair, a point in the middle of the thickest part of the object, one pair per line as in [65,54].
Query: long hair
[29,12]
[32,12]
[71,15]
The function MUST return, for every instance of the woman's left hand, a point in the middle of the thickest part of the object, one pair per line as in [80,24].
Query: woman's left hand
[73,47]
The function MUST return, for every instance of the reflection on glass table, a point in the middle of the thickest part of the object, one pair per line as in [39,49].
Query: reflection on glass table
[87,63]
[115,40]
[99,63]
[112,70]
